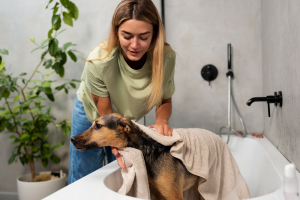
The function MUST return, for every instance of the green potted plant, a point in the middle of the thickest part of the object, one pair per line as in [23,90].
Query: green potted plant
[25,113]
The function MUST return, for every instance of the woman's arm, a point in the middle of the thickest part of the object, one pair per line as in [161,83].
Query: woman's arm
[163,114]
[104,107]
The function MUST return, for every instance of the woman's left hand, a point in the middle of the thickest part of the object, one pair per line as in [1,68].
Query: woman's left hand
[162,127]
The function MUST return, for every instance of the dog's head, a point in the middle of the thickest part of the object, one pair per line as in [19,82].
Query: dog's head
[109,130]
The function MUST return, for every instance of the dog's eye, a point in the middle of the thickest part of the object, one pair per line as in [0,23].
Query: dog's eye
[98,126]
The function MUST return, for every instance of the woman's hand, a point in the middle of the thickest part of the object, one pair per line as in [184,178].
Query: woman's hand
[162,127]
[119,157]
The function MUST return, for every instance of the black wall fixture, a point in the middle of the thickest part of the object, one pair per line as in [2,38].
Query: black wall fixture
[276,99]
[209,73]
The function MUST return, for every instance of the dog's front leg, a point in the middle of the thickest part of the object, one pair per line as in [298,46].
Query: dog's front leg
[168,186]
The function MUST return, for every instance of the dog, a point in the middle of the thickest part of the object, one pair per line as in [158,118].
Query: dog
[168,177]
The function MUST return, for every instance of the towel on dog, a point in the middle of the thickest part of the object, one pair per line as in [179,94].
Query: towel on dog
[203,153]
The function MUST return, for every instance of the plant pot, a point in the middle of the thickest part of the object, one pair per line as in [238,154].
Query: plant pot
[38,190]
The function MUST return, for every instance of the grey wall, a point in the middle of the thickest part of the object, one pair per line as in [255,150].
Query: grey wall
[281,72]
[199,32]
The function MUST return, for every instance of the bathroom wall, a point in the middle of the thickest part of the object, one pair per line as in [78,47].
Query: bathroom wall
[281,72]
[199,32]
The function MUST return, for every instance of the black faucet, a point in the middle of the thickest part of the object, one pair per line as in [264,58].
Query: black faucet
[269,99]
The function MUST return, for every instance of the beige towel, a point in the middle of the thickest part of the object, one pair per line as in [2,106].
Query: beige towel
[202,152]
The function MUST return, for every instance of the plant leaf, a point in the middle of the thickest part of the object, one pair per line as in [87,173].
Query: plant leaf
[12,137]
[57,25]
[65,129]
[48,63]
[67,45]
[55,9]
[45,162]
[72,56]
[32,111]
[34,149]
[47,90]
[16,108]
[32,40]
[4,112]
[17,97]
[56,146]
[73,85]
[59,69]
[46,75]
[46,84]
[66,91]
[44,41]
[53,46]
[67,19]
[36,71]
[23,74]
[24,136]
[6,93]
[46,145]
[55,159]
[73,10]
[48,110]
[60,32]
[35,90]
[44,53]
[12,159]
[65,3]
[49,3]
[50,33]
[4,51]
[55,19]
[2,65]
[60,87]
[50,97]
[35,49]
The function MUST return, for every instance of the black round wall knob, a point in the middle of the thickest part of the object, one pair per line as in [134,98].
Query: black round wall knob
[209,73]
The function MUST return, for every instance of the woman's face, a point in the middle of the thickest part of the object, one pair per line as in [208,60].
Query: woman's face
[135,38]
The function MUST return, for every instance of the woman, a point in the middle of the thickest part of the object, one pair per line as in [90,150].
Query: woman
[129,73]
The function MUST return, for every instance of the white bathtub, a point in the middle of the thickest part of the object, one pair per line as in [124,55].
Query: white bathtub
[260,163]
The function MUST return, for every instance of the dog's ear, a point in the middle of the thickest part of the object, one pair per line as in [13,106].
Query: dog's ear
[126,124]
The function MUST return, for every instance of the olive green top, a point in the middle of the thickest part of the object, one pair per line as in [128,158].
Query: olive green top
[128,88]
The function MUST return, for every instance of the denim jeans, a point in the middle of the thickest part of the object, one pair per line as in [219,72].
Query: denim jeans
[84,163]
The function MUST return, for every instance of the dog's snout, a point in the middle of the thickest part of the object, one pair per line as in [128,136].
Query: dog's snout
[74,139]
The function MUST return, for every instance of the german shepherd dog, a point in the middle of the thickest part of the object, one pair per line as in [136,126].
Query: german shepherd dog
[168,178]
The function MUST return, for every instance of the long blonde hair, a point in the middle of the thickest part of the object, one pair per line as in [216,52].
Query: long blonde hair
[146,11]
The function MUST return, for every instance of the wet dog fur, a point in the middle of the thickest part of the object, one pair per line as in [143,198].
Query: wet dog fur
[168,177]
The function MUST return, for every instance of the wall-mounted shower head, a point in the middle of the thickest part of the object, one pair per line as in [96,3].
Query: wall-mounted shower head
[229,56]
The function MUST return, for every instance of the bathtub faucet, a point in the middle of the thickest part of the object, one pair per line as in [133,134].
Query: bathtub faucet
[269,99]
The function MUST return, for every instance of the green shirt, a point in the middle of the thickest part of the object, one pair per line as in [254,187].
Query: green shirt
[128,88]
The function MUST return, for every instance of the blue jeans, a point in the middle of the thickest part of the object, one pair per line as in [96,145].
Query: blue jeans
[84,163]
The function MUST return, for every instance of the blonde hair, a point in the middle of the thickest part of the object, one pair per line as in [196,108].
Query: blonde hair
[146,11]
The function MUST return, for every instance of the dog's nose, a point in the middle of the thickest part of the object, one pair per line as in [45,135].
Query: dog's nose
[74,139]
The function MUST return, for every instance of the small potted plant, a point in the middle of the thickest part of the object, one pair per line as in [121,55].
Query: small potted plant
[25,113]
